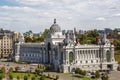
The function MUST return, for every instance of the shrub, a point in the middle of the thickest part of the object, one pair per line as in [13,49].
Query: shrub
[11,77]
[28,74]
[11,69]
[57,77]
[3,69]
[25,77]
[53,75]
[83,73]
[18,77]
[42,78]
[97,74]
[33,78]
[1,77]
[49,76]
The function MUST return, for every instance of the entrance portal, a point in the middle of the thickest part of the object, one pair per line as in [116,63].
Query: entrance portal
[49,50]
[110,67]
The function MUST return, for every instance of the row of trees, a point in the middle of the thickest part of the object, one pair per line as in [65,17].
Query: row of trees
[96,74]
[79,71]
[39,71]
[89,37]
[39,39]
[2,73]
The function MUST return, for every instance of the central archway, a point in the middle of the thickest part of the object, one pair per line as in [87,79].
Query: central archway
[108,56]
[71,57]
[49,49]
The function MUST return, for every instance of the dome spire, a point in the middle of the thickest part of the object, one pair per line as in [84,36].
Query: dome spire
[54,21]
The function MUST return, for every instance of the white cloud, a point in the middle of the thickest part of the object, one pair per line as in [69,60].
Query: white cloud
[25,9]
[117,15]
[68,13]
[35,2]
[101,19]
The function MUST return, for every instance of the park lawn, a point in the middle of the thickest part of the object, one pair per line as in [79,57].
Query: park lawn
[30,75]
[83,78]
[117,57]
[21,75]
[86,78]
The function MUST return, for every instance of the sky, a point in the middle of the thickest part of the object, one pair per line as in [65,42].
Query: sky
[36,15]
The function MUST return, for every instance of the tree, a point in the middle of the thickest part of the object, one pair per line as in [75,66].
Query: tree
[117,43]
[49,76]
[25,77]
[3,69]
[97,74]
[77,70]
[37,71]
[42,77]
[105,77]
[33,78]
[46,31]
[92,33]
[83,73]
[11,70]
[28,39]
[16,68]
[83,38]
[18,77]
[41,39]
[1,77]
[57,77]
[11,77]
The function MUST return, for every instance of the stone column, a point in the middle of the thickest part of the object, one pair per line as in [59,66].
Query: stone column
[112,54]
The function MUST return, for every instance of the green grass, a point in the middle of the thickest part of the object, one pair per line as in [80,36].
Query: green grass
[30,75]
[117,57]
[85,78]
[21,75]
[20,62]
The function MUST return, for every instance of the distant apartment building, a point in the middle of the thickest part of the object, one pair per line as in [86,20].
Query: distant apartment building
[32,35]
[6,45]
[7,40]
[81,32]
[15,36]
[28,34]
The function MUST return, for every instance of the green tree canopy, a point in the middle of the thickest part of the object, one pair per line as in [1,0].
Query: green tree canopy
[97,74]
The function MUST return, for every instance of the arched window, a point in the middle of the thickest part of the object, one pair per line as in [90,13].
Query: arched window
[91,61]
[108,56]
[71,57]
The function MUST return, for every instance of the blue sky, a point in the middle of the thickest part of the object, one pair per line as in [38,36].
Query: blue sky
[36,15]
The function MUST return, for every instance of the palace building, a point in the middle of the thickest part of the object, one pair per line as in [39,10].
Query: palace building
[65,53]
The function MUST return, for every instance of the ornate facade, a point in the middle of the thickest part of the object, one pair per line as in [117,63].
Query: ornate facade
[65,54]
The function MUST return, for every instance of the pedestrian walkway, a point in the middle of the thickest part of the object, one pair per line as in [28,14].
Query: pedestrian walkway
[114,75]
[62,76]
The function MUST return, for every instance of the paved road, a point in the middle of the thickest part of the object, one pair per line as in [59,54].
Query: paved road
[115,75]
[63,76]
[13,65]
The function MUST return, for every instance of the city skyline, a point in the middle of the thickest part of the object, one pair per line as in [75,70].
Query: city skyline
[36,15]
